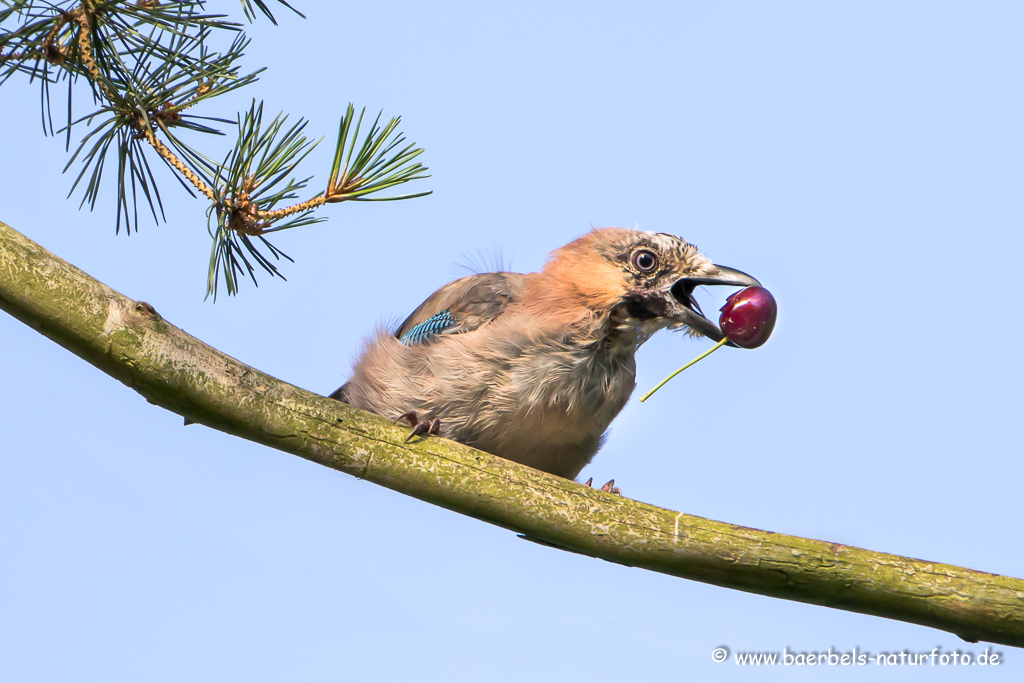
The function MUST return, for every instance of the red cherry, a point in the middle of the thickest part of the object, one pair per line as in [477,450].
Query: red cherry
[748,317]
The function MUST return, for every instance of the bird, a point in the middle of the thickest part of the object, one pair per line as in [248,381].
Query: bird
[534,367]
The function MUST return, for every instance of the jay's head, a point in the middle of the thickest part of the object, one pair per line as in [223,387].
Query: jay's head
[646,279]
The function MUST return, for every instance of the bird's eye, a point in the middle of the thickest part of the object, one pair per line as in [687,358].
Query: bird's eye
[644,260]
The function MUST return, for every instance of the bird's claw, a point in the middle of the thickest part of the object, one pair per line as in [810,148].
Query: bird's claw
[420,427]
[610,487]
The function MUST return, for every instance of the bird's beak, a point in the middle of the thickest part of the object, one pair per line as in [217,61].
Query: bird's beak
[689,312]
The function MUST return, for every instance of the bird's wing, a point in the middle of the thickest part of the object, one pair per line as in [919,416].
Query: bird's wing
[461,306]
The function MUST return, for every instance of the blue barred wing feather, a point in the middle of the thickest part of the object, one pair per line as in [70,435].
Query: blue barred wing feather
[461,306]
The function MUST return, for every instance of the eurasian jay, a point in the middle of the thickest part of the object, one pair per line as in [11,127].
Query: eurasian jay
[534,367]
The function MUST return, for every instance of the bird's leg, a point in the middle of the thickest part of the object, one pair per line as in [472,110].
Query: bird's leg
[420,427]
[610,487]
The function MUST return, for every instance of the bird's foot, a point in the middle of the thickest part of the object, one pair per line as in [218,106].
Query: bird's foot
[420,427]
[610,487]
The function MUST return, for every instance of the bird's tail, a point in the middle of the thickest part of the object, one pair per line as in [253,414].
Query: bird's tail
[341,393]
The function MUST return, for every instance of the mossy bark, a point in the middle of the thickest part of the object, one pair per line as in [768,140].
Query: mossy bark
[130,341]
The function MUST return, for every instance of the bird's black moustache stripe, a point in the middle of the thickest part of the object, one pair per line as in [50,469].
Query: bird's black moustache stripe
[641,306]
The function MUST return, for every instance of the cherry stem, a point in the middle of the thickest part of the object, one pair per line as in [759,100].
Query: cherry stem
[700,357]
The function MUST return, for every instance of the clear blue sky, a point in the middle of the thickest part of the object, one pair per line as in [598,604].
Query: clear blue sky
[864,160]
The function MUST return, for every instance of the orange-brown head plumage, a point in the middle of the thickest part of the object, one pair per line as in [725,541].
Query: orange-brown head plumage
[645,279]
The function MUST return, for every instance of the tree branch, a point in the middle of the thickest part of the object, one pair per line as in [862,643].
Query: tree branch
[128,340]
